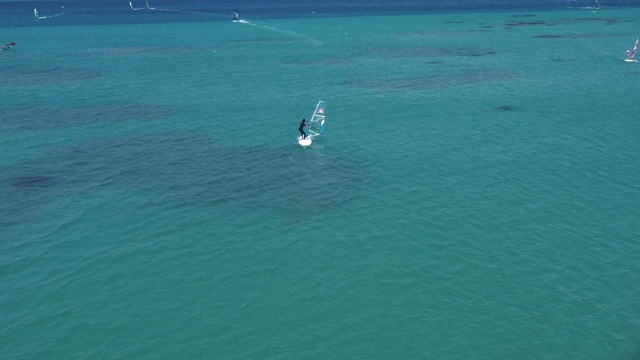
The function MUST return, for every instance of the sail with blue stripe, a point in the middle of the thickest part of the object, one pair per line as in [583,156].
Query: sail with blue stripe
[316,124]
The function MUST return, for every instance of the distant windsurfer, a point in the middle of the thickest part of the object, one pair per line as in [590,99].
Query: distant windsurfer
[8,46]
[303,124]
[235,16]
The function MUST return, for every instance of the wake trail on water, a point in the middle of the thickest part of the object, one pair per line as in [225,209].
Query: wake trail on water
[176,10]
[50,16]
[271,28]
[288,32]
[188,12]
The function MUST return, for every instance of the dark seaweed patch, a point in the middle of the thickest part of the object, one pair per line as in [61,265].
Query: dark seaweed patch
[605,21]
[427,83]
[51,76]
[526,23]
[443,34]
[576,36]
[522,15]
[327,61]
[478,53]
[507,108]
[33,116]
[30,181]
[430,52]
[268,40]
[184,168]
[143,50]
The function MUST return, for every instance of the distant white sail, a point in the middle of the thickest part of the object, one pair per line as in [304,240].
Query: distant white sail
[631,54]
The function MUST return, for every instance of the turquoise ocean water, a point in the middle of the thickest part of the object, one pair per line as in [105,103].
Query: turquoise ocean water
[475,195]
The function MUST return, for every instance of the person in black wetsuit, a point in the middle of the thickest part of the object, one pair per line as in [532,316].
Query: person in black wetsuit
[302,126]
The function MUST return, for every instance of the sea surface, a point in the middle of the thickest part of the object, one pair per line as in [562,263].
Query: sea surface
[475,195]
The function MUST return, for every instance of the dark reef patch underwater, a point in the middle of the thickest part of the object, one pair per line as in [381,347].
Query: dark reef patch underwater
[38,117]
[183,166]
[52,76]
[507,108]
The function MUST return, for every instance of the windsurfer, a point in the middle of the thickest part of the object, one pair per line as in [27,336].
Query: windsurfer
[8,46]
[302,126]
[628,54]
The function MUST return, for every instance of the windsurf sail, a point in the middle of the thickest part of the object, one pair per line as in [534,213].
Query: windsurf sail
[147,2]
[632,54]
[316,124]
[236,17]
[36,14]
[131,5]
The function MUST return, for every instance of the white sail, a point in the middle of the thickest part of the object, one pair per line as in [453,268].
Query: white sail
[316,124]
[631,54]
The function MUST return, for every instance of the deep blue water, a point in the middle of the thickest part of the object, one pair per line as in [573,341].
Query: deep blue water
[19,13]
